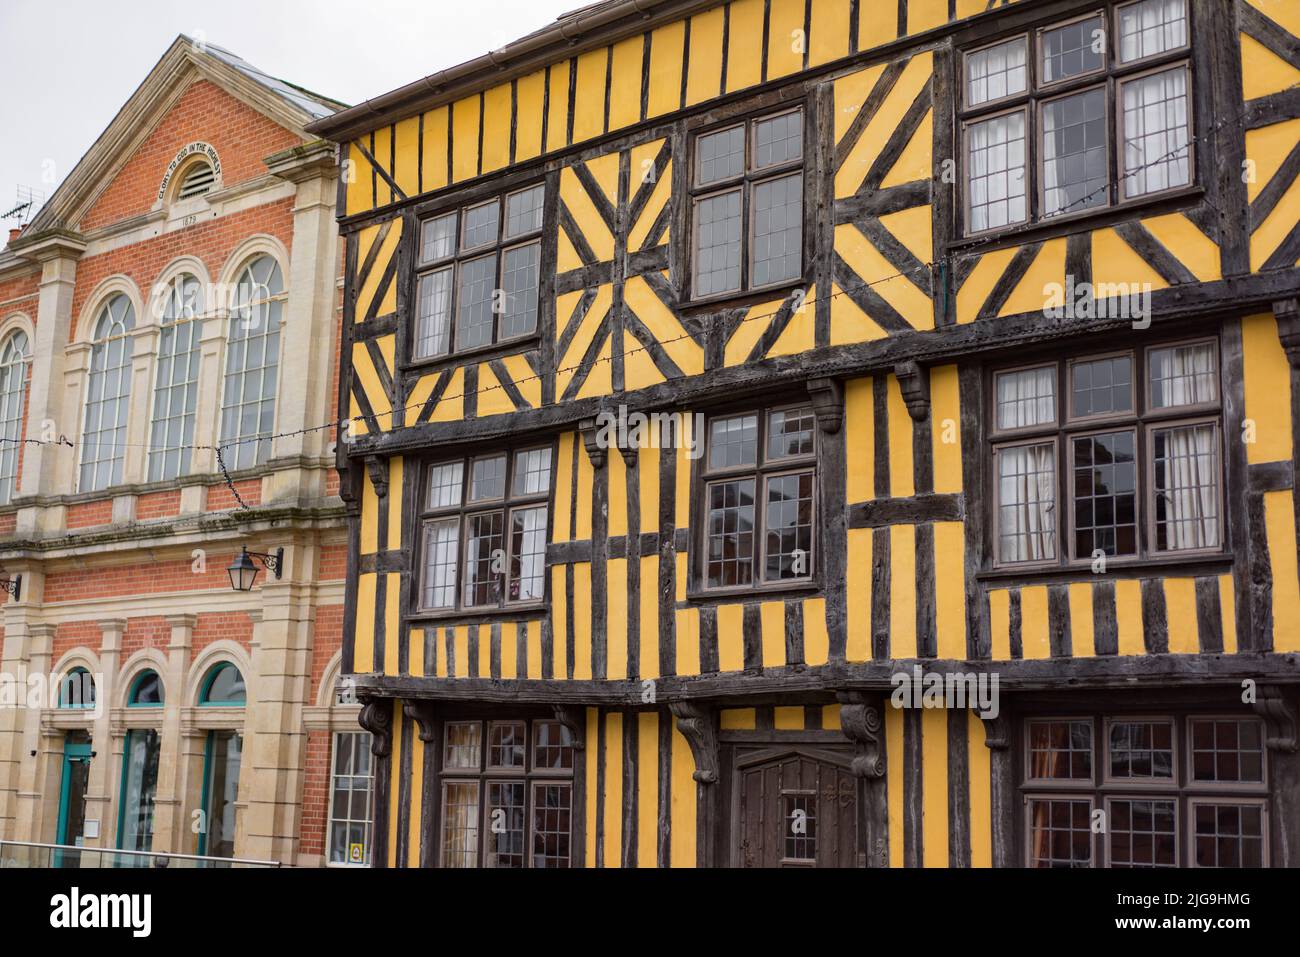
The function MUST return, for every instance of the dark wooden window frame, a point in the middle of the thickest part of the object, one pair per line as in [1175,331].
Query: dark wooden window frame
[1143,421]
[530,775]
[459,205]
[1111,77]
[507,504]
[748,115]
[702,477]
[1100,789]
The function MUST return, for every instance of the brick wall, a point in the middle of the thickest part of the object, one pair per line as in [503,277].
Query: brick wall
[141,578]
[241,136]
[211,241]
[158,505]
[315,793]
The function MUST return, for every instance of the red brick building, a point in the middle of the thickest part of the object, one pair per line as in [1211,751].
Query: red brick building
[168,349]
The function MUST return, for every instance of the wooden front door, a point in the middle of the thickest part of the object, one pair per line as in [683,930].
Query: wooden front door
[795,808]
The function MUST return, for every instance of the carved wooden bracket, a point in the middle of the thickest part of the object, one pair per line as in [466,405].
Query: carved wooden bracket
[377,718]
[864,725]
[574,721]
[915,387]
[997,732]
[630,455]
[1287,314]
[346,491]
[1279,716]
[590,439]
[699,725]
[828,403]
[378,469]
[424,714]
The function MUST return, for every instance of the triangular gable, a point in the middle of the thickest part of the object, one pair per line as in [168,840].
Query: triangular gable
[185,71]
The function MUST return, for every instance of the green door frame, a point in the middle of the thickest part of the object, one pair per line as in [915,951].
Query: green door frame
[72,752]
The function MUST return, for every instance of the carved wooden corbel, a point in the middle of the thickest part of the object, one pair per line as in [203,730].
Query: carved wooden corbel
[573,719]
[1279,716]
[424,714]
[377,718]
[699,726]
[1287,314]
[591,441]
[913,383]
[378,470]
[864,725]
[997,732]
[828,403]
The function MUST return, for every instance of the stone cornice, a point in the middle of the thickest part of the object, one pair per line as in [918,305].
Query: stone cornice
[308,161]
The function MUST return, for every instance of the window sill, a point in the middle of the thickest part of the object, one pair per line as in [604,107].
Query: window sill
[496,350]
[1159,567]
[742,298]
[1100,218]
[696,598]
[477,615]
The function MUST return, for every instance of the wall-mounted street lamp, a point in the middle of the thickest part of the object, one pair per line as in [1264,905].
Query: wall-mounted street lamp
[243,571]
[13,586]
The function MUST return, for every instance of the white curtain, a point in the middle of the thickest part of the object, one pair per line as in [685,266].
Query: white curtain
[1027,498]
[1186,375]
[1051,181]
[1191,495]
[1026,398]
[1155,132]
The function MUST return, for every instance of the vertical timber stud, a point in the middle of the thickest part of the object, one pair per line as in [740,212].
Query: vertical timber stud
[827,397]
[1002,792]
[377,718]
[1276,705]
[424,715]
[861,718]
[599,547]
[698,724]
[1287,314]
[574,720]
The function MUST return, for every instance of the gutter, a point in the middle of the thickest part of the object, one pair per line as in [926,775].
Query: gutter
[538,49]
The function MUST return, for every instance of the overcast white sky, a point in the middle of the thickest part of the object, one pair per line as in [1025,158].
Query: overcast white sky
[67,66]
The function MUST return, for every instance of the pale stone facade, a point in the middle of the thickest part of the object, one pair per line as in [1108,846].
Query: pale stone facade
[131,578]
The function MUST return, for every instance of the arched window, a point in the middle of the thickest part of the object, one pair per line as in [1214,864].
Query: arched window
[252,365]
[103,442]
[146,691]
[15,364]
[77,690]
[176,392]
[224,685]
[198,179]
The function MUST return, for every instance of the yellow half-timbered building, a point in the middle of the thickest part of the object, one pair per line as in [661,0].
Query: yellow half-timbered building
[821,432]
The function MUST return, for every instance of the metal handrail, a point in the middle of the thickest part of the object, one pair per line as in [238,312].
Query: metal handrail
[86,849]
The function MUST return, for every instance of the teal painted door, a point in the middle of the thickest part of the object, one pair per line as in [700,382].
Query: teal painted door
[72,798]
